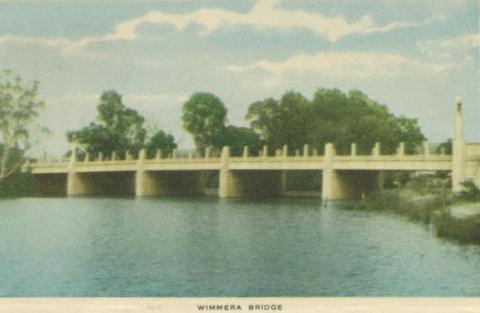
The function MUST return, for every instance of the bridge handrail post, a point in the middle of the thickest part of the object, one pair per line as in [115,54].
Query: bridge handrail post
[225,156]
[265,151]
[401,149]
[114,156]
[158,155]
[208,152]
[329,151]
[100,156]
[305,150]
[353,149]
[285,151]
[174,153]
[245,152]
[376,149]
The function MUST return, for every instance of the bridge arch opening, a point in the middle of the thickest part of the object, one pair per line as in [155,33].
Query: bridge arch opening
[104,183]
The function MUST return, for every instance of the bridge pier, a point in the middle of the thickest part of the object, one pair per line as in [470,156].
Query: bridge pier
[350,185]
[249,183]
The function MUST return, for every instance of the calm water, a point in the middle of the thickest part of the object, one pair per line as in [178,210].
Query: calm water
[210,247]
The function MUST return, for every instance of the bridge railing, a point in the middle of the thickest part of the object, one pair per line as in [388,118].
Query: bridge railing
[425,151]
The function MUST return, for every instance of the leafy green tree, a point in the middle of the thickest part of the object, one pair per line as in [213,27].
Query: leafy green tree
[237,138]
[19,108]
[119,129]
[281,122]
[160,140]
[204,116]
[332,116]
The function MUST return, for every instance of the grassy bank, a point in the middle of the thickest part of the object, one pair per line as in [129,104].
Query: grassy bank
[430,209]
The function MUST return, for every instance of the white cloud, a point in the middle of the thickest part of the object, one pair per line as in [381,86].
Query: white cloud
[462,50]
[460,42]
[264,14]
[340,65]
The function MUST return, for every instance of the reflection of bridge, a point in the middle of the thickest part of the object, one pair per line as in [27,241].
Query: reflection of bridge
[343,176]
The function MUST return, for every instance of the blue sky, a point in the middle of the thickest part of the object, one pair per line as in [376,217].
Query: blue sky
[413,56]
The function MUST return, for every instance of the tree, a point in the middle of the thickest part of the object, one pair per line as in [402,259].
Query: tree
[160,140]
[204,116]
[332,116]
[19,108]
[237,138]
[281,122]
[119,129]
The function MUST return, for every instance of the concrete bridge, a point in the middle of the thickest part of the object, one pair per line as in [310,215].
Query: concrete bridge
[343,176]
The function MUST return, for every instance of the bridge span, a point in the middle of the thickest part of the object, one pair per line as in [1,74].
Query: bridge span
[343,176]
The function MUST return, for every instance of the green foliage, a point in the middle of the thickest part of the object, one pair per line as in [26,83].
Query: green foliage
[470,191]
[237,138]
[19,108]
[445,146]
[281,122]
[462,230]
[160,140]
[17,185]
[332,116]
[119,129]
[204,116]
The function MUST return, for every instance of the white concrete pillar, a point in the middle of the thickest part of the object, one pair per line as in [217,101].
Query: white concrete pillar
[158,154]
[245,152]
[265,151]
[459,147]
[114,156]
[100,156]
[285,151]
[305,151]
[128,156]
[87,157]
[208,152]
[401,149]
[328,173]
[376,149]
[353,149]
[174,153]
[226,180]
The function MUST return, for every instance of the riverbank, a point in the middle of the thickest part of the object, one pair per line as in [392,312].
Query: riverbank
[451,217]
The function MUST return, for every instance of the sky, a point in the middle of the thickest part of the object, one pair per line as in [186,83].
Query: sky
[415,57]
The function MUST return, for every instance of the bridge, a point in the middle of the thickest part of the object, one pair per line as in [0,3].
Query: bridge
[343,176]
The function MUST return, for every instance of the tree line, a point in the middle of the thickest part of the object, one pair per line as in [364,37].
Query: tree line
[294,120]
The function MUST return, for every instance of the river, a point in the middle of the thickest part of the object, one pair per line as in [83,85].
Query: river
[209,247]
